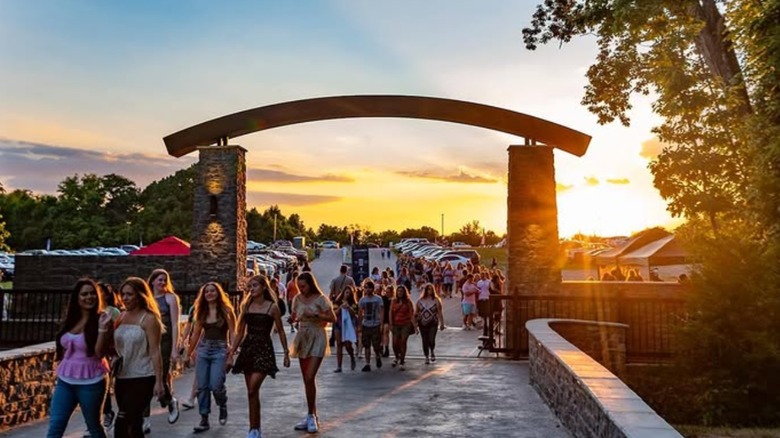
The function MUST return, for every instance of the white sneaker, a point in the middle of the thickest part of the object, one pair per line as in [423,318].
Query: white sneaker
[302,425]
[254,433]
[147,425]
[313,425]
[173,411]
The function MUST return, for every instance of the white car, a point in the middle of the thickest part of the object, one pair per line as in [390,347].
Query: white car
[329,244]
[460,245]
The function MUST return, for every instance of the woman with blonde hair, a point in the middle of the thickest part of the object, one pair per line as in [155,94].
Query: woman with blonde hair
[259,315]
[169,308]
[313,311]
[215,328]
[139,376]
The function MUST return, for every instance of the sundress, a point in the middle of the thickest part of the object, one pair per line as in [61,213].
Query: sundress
[257,349]
[311,339]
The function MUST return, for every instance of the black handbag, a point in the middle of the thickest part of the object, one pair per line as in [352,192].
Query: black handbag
[116,366]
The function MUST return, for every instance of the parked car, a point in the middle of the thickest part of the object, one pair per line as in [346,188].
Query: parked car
[329,244]
[456,245]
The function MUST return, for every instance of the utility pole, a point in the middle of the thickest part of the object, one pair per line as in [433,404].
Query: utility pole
[442,226]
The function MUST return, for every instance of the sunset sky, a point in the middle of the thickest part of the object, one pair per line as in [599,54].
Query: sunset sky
[94,86]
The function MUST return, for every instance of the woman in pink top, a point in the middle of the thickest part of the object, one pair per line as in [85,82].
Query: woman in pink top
[469,303]
[83,370]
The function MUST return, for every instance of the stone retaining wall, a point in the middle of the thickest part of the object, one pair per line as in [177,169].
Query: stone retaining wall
[588,399]
[26,384]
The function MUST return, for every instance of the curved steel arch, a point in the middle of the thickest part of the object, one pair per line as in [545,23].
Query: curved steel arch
[342,107]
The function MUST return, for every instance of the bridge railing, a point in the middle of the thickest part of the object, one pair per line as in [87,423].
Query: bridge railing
[651,320]
[33,316]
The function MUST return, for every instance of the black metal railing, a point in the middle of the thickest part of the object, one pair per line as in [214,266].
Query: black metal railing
[651,321]
[34,316]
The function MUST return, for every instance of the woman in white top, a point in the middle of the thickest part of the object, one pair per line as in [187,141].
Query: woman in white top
[137,339]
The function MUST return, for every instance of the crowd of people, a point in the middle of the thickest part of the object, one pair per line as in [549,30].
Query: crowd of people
[127,341]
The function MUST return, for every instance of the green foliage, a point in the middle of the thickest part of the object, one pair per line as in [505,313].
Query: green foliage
[731,342]
[427,232]
[260,227]
[720,170]
[166,207]
[681,52]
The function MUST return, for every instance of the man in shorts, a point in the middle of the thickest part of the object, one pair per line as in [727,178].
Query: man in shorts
[371,315]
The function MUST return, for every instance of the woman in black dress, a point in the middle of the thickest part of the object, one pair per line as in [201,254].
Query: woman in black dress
[259,314]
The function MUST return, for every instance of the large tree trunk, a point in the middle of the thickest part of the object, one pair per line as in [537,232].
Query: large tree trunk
[715,46]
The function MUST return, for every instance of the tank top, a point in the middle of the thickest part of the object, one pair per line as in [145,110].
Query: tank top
[165,311]
[428,314]
[215,331]
[133,348]
[76,367]
[402,314]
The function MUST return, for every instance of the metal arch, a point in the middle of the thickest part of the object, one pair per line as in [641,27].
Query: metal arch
[341,107]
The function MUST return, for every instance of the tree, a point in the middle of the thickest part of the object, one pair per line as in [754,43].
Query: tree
[470,233]
[3,233]
[683,52]
[714,71]
[167,206]
[424,232]
[332,232]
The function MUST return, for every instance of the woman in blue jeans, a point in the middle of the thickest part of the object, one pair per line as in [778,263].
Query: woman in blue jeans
[215,327]
[83,370]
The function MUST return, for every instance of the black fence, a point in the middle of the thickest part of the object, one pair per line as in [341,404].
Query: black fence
[34,316]
[651,321]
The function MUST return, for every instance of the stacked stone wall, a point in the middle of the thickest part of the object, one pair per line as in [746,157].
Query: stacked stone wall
[589,400]
[27,381]
[62,272]
[219,216]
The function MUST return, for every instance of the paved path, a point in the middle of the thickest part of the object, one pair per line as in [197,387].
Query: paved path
[458,396]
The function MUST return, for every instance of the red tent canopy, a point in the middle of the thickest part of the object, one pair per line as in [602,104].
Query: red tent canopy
[171,245]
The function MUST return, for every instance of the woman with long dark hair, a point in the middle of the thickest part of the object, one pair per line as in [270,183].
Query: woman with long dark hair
[345,301]
[215,329]
[429,318]
[256,360]
[137,339]
[170,309]
[82,373]
[312,309]
[402,324]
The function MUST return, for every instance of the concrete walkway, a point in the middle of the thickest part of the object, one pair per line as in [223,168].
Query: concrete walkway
[458,396]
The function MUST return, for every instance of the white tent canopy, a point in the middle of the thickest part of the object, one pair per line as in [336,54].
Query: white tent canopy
[664,251]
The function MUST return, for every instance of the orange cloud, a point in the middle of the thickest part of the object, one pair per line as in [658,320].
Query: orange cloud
[651,148]
[618,181]
[562,187]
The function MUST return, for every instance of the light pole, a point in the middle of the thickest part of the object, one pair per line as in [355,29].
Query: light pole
[442,226]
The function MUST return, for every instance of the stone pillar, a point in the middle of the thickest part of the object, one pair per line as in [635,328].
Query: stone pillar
[218,248]
[532,231]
